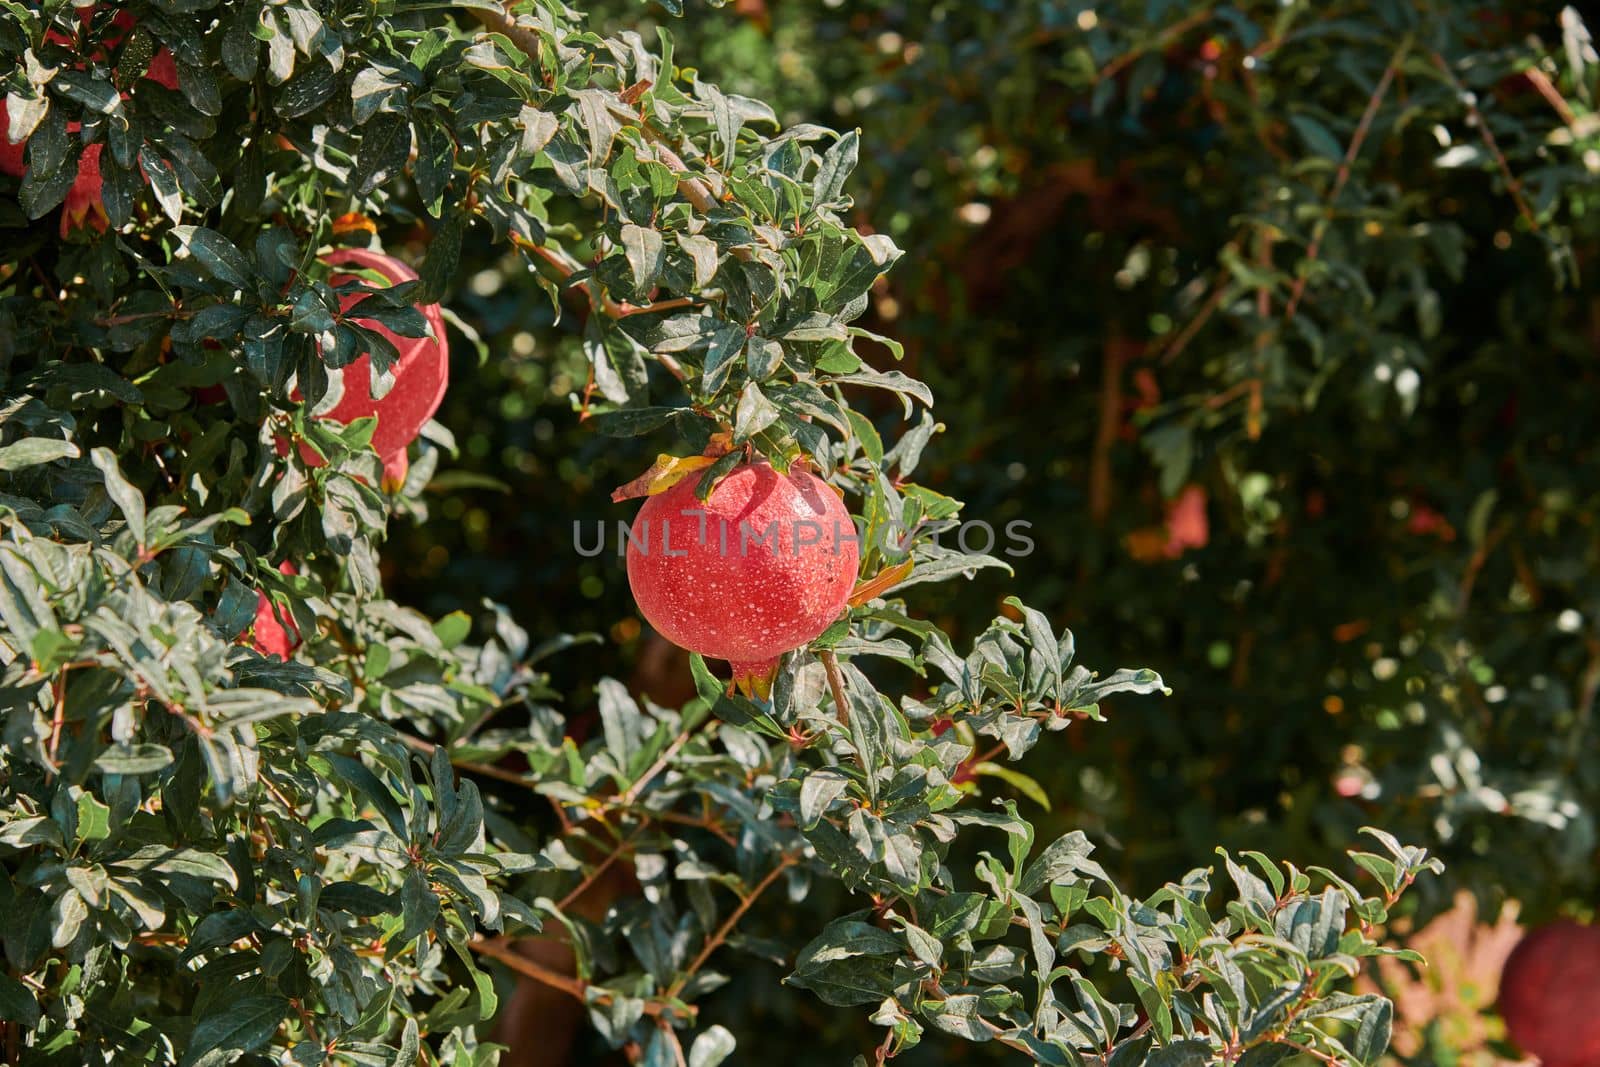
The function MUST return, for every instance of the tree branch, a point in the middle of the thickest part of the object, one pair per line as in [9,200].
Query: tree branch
[830,664]
[1359,138]
[1513,186]
[499,949]
[715,940]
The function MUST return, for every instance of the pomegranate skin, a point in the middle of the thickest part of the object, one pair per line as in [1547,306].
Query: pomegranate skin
[12,158]
[269,636]
[421,375]
[750,603]
[1550,994]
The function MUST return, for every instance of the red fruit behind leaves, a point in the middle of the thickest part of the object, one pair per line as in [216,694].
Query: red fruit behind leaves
[1550,994]
[271,637]
[163,67]
[1187,526]
[85,202]
[746,607]
[12,160]
[85,206]
[420,376]
[1425,520]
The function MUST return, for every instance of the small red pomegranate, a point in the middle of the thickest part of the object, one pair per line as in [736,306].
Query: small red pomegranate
[1550,994]
[762,567]
[270,636]
[420,376]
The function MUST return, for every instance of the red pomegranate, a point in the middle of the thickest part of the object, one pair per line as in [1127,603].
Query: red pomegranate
[420,376]
[12,161]
[270,636]
[769,568]
[1550,994]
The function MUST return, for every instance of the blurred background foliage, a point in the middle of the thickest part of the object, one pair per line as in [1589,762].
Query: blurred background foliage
[1274,319]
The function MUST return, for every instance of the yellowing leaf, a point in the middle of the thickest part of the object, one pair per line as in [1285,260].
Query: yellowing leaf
[880,583]
[666,472]
[353,223]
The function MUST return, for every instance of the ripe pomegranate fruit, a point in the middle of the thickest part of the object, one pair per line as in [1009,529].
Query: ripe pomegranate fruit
[270,636]
[762,567]
[420,376]
[1550,994]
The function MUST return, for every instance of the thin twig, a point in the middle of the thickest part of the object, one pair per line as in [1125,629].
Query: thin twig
[705,824]
[657,767]
[623,847]
[1469,577]
[1160,40]
[499,949]
[715,940]
[1513,186]
[1105,437]
[488,770]
[1217,401]
[624,309]
[59,718]
[692,189]
[830,664]
[1363,128]
[1252,418]
[1588,689]
[307,1021]
[1320,1057]
[1218,292]
[1541,81]
[500,22]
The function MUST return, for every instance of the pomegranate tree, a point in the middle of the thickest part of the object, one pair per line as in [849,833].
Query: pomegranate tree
[762,566]
[1550,994]
[210,856]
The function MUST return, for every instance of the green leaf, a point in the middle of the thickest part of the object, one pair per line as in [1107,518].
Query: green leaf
[727,341]
[121,492]
[1027,786]
[1181,1054]
[34,451]
[1372,1036]
[444,259]
[755,413]
[711,1046]
[646,253]
[19,1005]
[140,758]
[867,434]
[381,157]
[419,907]
[1317,137]
[837,163]
[818,791]
[849,963]
[94,819]
[217,255]
[233,1028]
[453,629]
